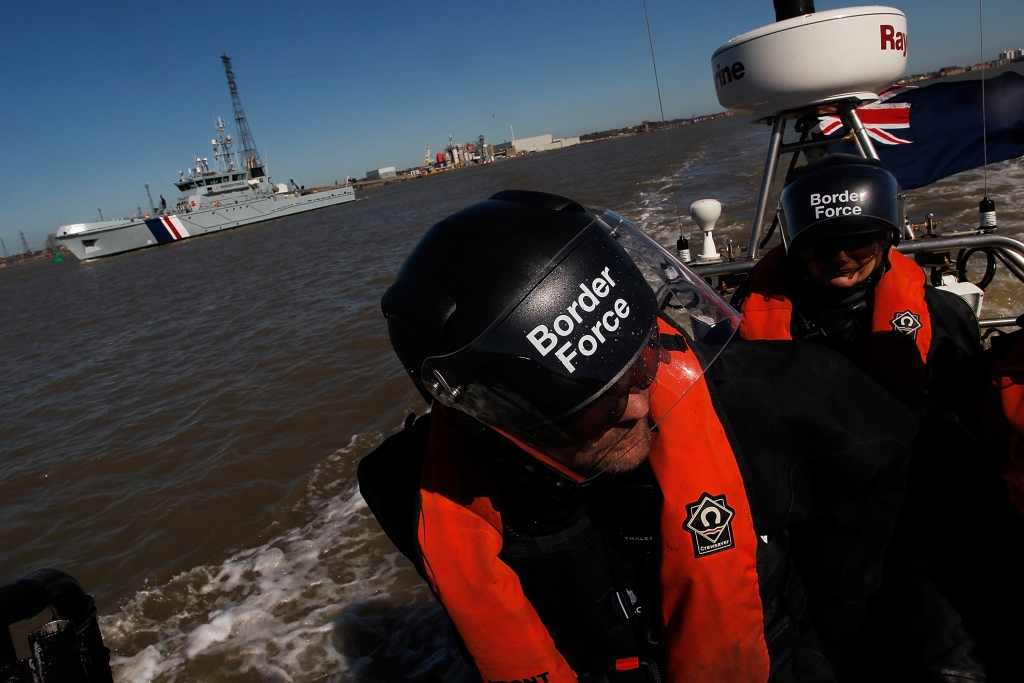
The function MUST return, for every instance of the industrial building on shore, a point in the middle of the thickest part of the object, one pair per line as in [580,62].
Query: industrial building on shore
[380,173]
[542,143]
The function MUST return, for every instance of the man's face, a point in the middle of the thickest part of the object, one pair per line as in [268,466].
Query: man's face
[844,262]
[623,447]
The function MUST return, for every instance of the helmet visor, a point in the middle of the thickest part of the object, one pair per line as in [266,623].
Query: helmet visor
[556,370]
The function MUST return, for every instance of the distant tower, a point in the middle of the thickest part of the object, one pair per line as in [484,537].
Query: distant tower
[249,152]
[427,160]
[6,255]
[23,242]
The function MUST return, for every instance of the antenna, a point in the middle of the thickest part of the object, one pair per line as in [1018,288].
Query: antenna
[984,127]
[986,207]
[252,156]
[664,127]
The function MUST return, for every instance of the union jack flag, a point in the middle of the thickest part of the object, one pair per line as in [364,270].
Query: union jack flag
[923,134]
[880,118]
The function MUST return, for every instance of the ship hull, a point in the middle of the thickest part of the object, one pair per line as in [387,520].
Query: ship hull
[108,240]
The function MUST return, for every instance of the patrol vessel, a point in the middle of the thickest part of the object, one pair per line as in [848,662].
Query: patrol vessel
[233,191]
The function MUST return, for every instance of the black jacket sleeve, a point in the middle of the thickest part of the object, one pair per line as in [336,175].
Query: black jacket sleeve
[389,481]
[823,451]
[955,332]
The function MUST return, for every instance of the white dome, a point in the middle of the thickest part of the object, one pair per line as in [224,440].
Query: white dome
[811,59]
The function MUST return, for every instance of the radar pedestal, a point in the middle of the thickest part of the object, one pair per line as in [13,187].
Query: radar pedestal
[807,66]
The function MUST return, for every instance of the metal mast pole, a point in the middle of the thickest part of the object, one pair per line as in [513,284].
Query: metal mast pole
[252,156]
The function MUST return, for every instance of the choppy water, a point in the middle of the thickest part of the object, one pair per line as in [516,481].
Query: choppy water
[181,426]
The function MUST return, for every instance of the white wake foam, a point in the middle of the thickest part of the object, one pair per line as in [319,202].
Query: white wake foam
[330,600]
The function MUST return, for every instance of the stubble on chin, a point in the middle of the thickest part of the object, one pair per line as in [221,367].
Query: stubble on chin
[627,452]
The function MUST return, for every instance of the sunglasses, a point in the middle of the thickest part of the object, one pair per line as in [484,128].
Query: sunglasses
[856,247]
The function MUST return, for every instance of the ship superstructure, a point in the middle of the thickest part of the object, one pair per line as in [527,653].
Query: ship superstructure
[233,191]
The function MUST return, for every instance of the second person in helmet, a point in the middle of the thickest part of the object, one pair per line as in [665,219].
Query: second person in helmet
[608,488]
[837,281]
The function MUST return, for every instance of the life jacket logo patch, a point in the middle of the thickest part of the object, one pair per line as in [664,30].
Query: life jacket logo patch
[710,525]
[906,323]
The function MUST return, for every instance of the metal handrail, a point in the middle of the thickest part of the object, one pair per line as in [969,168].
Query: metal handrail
[1013,249]
[1007,248]
[964,241]
[725,267]
[997,322]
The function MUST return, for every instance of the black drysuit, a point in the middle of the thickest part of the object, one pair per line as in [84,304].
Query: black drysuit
[823,466]
[915,630]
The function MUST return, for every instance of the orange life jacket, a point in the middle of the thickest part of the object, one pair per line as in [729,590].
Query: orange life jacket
[901,330]
[1005,428]
[712,617]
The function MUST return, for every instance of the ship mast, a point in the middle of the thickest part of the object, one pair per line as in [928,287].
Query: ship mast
[249,152]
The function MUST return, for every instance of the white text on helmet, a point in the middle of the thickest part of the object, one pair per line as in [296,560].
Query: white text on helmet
[544,340]
[820,203]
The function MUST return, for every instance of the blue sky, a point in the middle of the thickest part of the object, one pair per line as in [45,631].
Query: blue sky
[98,98]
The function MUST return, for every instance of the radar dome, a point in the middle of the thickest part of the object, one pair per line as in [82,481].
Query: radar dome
[813,59]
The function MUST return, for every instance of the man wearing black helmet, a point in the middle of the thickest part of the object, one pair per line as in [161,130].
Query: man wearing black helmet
[608,488]
[837,281]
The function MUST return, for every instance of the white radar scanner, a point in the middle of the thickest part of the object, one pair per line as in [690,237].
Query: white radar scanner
[813,59]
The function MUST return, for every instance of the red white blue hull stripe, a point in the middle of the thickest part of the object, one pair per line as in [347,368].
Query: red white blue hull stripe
[167,229]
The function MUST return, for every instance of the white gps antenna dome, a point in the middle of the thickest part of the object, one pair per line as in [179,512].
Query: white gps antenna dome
[705,213]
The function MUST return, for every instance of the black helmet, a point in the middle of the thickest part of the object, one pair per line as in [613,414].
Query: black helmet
[837,196]
[536,317]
